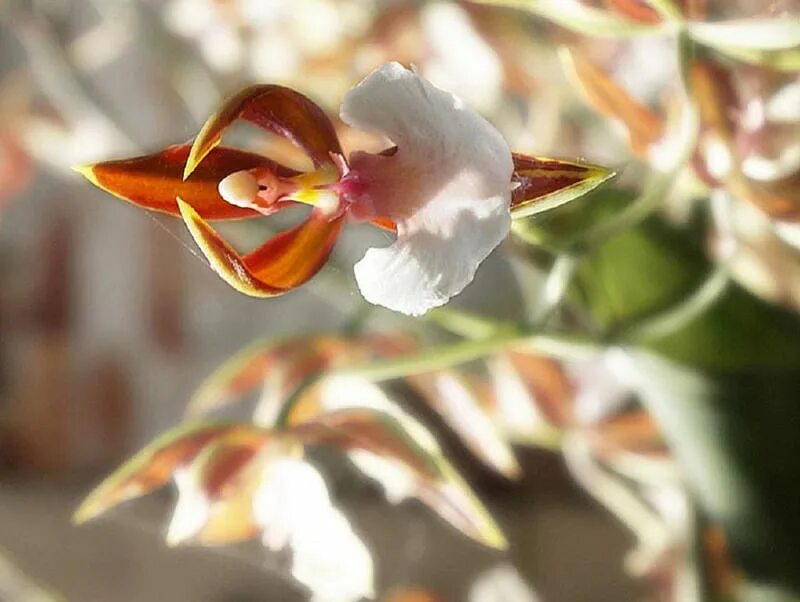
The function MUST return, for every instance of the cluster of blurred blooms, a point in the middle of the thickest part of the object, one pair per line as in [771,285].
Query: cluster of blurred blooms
[239,480]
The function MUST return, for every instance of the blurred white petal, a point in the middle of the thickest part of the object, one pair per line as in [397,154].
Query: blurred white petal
[190,18]
[191,511]
[341,392]
[766,169]
[501,584]
[647,66]
[87,140]
[332,561]
[265,14]
[223,48]
[291,495]
[397,481]
[789,233]
[293,507]
[517,413]
[598,391]
[273,56]
[315,27]
[463,412]
[446,187]
[784,106]
[461,61]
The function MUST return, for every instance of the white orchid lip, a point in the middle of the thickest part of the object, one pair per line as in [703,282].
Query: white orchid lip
[239,188]
[447,188]
[260,189]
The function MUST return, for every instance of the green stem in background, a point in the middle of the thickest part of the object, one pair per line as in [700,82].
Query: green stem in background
[464,323]
[692,579]
[555,287]
[676,317]
[357,320]
[655,190]
[667,9]
[526,235]
[710,290]
[436,358]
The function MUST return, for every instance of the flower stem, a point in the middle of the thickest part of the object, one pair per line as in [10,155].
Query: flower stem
[435,358]
[466,324]
[667,9]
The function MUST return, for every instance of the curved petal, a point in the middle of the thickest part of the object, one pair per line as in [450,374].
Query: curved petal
[636,10]
[154,181]
[447,188]
[283,263]
[394,436]
[644,127]
[215,492]
[153,466]
[274,108]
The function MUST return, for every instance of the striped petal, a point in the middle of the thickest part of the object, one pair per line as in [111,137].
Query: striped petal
[154,466]
[542,184]
[277,109]
[154,181]
[282,264]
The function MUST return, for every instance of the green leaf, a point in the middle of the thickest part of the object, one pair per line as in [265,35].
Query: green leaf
[641,273]
[564,228]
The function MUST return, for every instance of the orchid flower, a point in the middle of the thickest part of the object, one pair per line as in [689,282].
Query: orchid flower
[447,187]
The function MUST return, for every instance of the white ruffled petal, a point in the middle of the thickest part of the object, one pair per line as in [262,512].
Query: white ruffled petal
[447,187]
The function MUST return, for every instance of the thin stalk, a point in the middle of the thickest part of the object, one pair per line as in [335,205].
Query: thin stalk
[676,317]
[555,287]
[435,358]
[692,579]
[464,323]
[712,288]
